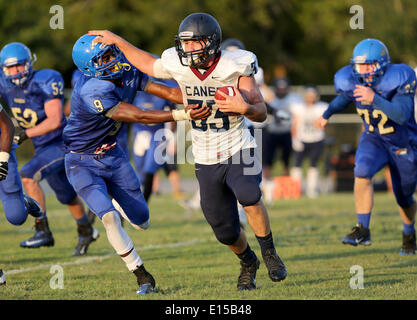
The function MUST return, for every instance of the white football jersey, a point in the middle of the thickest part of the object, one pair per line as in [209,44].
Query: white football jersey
[306,130]
[220,136]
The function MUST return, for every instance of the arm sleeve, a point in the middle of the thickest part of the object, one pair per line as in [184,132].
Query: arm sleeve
[398,109]
[336,105]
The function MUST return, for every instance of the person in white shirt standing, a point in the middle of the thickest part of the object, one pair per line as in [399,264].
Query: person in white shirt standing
[308,137]
[223,148]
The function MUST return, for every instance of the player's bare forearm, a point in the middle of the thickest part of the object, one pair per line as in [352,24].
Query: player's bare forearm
[165,92]
[46,126]
[129,113]
[7,132]
[256,109]
[256,112]
[140,59]
[53,111]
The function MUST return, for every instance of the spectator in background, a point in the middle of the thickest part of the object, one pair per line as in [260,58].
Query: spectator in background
[277,134]
[308,138]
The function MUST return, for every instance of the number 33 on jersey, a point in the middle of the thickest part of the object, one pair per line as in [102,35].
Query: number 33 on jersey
[219,136]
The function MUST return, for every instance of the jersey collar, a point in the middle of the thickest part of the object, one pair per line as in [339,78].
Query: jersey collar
[203,76]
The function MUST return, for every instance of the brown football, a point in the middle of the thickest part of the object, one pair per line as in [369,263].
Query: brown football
[229,90]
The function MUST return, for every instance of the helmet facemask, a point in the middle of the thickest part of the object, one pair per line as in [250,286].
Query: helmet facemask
[107,68]
[368,78]
[196,58]
[18,78]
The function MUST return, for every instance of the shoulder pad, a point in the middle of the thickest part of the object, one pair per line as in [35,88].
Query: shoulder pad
[343,80]
[239,61]
[398,74]
[47,75]
[171,61]
[75,76]
[96,87]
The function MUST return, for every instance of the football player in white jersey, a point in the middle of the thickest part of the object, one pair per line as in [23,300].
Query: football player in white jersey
[308,137]
[223,148]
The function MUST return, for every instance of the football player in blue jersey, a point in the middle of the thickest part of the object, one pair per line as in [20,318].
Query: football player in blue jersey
[147,141]
[95,164]
[122,138]
[35,98]
[16,204]
[383,94]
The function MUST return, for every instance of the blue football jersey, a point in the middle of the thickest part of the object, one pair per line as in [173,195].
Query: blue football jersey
[27,102]
[398,79]
[88,128]
[147,101]
[75,76]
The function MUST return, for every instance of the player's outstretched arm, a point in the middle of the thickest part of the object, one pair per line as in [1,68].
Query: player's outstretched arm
[129,113]
[336,105]
[140,59]
[247,100]
[7,131]
[165,92]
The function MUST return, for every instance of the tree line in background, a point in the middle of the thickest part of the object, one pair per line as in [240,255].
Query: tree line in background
[312,39]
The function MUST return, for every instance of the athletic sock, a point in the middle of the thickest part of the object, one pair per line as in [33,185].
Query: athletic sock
[132,260]
[247,256]
[266,242]
[364,219]
[42,216]
[408,229]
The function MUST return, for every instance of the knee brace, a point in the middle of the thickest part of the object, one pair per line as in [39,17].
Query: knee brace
[249,196]
[15,210]
[227,234]
[142,226]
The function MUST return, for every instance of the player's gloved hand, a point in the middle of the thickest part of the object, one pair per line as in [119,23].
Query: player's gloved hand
[4,167]
[20,137]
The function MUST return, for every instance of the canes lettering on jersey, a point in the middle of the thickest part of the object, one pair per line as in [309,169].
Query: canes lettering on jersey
[219,136]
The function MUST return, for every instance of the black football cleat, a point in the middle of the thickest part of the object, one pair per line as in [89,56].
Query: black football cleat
[42,237]
[359,235]
[409,245]
[145,280]
[2,278]
[32,207]
[247,277]
[276,268]
[86,235]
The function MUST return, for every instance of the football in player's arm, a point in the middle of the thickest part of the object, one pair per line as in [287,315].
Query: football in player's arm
[200,67]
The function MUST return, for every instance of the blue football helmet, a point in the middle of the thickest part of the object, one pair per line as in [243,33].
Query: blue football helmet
[16,53]
[88,57]
[370,51]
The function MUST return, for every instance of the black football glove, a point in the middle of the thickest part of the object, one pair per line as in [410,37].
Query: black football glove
[4,168]
[20,137]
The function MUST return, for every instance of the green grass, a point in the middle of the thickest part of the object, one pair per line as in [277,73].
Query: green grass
[188,263]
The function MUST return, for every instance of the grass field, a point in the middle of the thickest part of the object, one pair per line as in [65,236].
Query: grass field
[188,263]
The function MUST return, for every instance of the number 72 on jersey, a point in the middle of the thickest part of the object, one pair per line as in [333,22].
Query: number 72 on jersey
[376,114]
